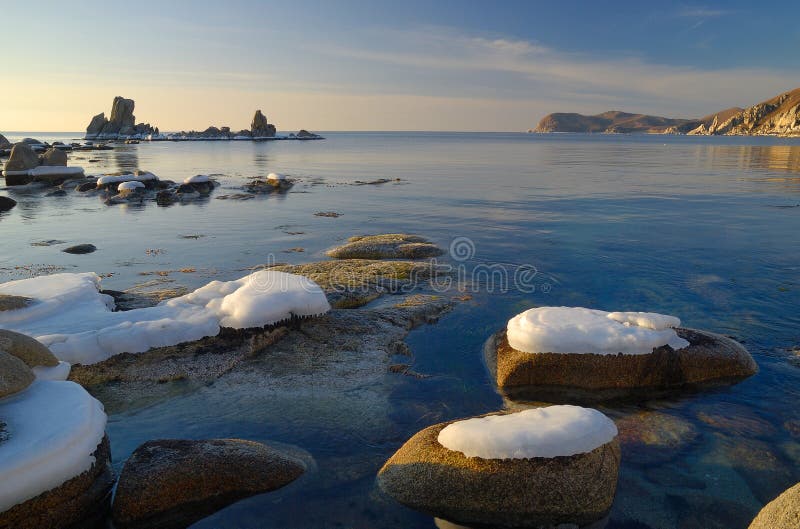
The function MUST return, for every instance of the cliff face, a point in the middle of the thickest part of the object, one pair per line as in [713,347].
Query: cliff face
[779,116]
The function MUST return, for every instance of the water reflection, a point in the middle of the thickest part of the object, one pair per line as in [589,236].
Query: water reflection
[125,158]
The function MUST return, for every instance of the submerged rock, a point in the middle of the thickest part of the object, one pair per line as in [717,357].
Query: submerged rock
[9,302]
[576,488]
[781,513]
[14,375]
[172,483]
[386,246]
[27,349]
[709,359]
[80,249]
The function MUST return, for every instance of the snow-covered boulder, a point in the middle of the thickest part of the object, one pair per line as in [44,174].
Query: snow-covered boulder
[200,183]
[78,323]
[112,181]
[546,351]
[54,457]
[540,467]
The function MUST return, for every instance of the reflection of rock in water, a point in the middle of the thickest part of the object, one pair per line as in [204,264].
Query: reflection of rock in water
[125,158]
[778,158]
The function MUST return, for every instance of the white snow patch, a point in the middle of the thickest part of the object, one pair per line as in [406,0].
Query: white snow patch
[197,179]
[116,179]
[54,427]
[276,176]
[552,431]
[57,372]
[130,186]
[580,330]
[48,170]
[78,324]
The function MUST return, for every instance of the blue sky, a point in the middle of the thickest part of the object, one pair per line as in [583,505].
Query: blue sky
[369,65]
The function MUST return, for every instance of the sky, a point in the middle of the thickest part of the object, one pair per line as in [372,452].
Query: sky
[373,65]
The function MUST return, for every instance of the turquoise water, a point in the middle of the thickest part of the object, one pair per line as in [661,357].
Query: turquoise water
[703,228]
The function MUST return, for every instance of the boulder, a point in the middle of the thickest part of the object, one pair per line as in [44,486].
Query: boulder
[260,127]
[305,135]
[7,203]
[386,246]
[781,513]
[27,349]
[80,249]
[96,126]
[4,143]
[709,359]
[22,158]
[14,376]
[512,492]
[80,503]
[54,157]
[172,483]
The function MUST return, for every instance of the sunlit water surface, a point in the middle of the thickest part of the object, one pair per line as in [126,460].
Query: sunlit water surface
[703,228]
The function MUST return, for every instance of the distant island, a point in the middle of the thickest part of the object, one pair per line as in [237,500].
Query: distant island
[778,116]
[121,125]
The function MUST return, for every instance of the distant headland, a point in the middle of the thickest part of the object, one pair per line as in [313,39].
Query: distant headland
[121,125]
[778,116]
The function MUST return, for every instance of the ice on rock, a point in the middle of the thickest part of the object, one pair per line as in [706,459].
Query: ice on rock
[78,324]
[116,179]
[553,431]
[580,330]
[49,170]
[53,429]
[130,186]
[56,372]
[276,176]
[197,179]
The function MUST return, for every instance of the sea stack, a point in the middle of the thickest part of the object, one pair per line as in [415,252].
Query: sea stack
[260,127]
[122,124]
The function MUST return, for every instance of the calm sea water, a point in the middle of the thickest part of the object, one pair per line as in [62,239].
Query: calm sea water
[703,228]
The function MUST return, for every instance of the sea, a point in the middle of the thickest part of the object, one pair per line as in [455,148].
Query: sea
[703,228]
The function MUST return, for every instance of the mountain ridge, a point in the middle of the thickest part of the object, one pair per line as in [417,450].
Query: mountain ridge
[777,116]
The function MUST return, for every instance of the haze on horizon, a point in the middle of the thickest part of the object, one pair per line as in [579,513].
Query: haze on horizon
[364,65]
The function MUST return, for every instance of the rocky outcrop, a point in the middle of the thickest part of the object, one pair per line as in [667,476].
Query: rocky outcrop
[386,246]
[526,492]
[781,513]
[172,483]
[120,125]
[260,127]
[778,116]
[4,143]
[709,359]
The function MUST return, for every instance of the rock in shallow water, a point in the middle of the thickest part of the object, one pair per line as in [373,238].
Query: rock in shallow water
[781,513]
[710,358]
[9,302]
[386,246]
[172,483]
[7,203]
[533,492]
[80,249]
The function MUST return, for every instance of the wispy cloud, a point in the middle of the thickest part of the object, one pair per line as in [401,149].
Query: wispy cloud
[548,72]
[703,12]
